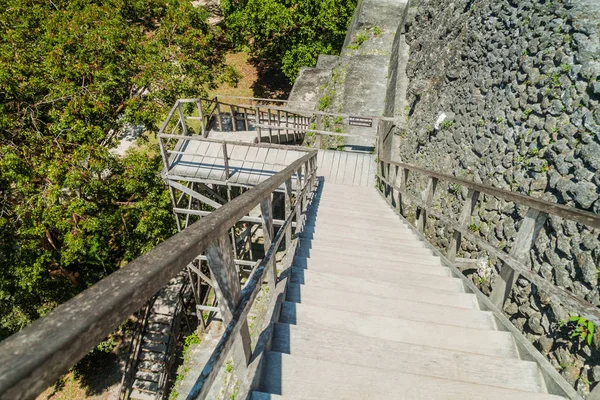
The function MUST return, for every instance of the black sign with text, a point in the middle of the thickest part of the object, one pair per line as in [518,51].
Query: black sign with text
[360,121]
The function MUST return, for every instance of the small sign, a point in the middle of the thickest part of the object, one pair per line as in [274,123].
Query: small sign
[361,121]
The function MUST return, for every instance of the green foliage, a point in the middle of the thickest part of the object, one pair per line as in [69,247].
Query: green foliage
[377,31]
[288,33]
[446,124]
[72,73]
[581,328]
[324,102]
[358,40]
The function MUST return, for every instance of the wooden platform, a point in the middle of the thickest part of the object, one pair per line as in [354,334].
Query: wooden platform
[353,169]
[203,161]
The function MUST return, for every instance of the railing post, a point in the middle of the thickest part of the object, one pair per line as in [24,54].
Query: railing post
[288,212]
[530,227]
[233,120]
[266,210]
[226,279]
[257,123]
[299,205]
[201,115]
[226,161]
[463,221]
[429,193]
[246,122]
[219,116]
[182,119]
[269,124]
[287,130]
[318,128]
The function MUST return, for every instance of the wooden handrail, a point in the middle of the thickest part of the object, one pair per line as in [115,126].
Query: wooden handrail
[37,356]
[514,260]
[571,213]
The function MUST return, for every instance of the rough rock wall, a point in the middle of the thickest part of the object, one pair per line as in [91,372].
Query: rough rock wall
[506,92]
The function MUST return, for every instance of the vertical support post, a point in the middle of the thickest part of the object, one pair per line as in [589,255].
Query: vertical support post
[299,205]
[219,116]
[287,130]
[317,135]
[403,185]
[269,123]
[226,279]
[530,227]
[257,123]
[463,221]
[266,210]
[279,125]
[226,162]
[201,115]
[429,193]
[246,122]
[182,119]
[288,212]
[233,118]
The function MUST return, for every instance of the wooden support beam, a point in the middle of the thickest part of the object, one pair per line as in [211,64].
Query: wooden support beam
[233,118]
[266,210]
[463,220]
[203,131]
[528,231]
[220,198]
[228,290]
[194,194]
[429,193]
[319,127]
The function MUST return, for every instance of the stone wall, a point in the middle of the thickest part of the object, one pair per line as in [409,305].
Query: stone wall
[507,93]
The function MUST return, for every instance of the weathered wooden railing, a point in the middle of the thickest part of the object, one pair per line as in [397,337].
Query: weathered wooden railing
[37,356]
[272,120]
[393,179]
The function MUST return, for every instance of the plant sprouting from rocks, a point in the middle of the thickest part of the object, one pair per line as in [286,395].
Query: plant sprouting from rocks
[580,327]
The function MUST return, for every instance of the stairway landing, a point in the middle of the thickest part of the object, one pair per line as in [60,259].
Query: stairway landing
[370,312]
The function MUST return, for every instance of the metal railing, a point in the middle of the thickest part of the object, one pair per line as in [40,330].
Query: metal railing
[393,178]
[34,358]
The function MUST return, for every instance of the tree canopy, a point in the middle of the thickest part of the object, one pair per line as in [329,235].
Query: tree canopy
[291,33]
[72,74]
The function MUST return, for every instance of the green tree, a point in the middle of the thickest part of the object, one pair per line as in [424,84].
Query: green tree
[291,33]
[72,73]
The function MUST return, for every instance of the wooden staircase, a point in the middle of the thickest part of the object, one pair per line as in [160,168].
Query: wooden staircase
[370,312]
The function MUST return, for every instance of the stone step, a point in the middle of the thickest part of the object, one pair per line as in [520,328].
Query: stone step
[346,282]
[393,308]
[386,271]
[432,333]
[146,386]
[150,366]
[302,377]
[147,376]
[424,360]
[139,395]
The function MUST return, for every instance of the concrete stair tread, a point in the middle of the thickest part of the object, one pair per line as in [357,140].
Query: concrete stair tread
[310,378]
[147,386]
[359,222]
[392,308]
[432,333]
[357,268]
[437,292]
[424,360]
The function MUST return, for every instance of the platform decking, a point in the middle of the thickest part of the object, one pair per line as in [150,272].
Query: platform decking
[347,168]
[204,161]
